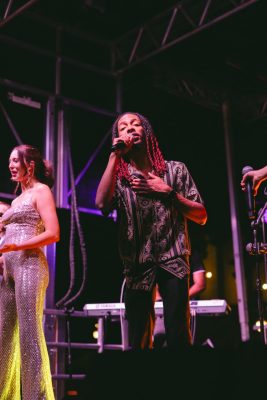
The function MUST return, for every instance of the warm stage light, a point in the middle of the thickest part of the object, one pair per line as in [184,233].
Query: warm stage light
[264,286]
[208,274]
[95,335]
[257,325]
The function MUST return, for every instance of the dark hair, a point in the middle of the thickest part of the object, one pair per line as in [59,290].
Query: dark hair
[43,170]
[153,151]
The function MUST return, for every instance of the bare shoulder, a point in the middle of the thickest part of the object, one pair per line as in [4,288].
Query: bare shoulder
[42,192]
[41,188]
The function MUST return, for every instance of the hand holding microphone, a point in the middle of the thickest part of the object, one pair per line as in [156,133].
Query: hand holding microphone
[257,176]
[118,146]
[122,143]
[247,186]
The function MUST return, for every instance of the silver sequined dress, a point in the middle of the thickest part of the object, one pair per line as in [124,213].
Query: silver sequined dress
[23,352]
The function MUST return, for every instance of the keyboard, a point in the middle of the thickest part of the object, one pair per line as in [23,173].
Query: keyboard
[203,307]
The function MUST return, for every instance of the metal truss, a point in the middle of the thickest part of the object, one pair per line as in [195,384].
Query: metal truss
[188,90]
[248,108]
[165,30]
[174,25]
[255,107]
[12,9]
[178,23]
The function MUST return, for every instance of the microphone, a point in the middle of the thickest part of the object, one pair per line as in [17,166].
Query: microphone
[138,175]
[118,146]
[249,194]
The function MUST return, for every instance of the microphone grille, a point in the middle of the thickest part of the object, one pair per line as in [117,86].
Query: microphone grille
[246,169]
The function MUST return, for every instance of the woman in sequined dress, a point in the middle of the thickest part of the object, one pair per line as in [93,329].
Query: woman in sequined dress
[30,223]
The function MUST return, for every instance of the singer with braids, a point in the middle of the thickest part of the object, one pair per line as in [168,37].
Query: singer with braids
[30,223]
[154,198]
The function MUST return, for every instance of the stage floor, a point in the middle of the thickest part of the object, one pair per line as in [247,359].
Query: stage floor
[200,372]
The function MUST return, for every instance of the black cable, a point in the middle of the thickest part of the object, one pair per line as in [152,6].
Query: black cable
[66,300]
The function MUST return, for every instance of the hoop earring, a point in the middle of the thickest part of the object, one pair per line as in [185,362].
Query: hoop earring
[16,188]
[29,179]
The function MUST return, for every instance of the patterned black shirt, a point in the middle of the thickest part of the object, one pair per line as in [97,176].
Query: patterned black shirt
[152,232]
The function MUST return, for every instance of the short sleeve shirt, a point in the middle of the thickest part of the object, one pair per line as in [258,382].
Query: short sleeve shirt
[152,232]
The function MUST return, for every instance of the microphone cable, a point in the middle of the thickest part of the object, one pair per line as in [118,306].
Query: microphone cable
[122,315]
[193,322]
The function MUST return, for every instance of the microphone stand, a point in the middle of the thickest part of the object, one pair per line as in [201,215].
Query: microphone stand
[257,251]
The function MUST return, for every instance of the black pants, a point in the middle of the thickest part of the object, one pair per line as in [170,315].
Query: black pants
[141,315]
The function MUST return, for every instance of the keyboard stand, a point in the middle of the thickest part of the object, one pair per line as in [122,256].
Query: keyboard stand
[100,345]
[101,336]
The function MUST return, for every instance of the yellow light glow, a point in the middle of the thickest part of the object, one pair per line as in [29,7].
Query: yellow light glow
[264,286]
[95,334]
[208,274]
[258,325]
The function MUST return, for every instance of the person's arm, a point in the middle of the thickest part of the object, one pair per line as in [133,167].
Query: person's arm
[157,294]
[199,283]
[106,187]
[192,210]
[257,176]
[45,205]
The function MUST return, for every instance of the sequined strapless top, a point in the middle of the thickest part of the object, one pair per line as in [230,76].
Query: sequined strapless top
[22,222]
